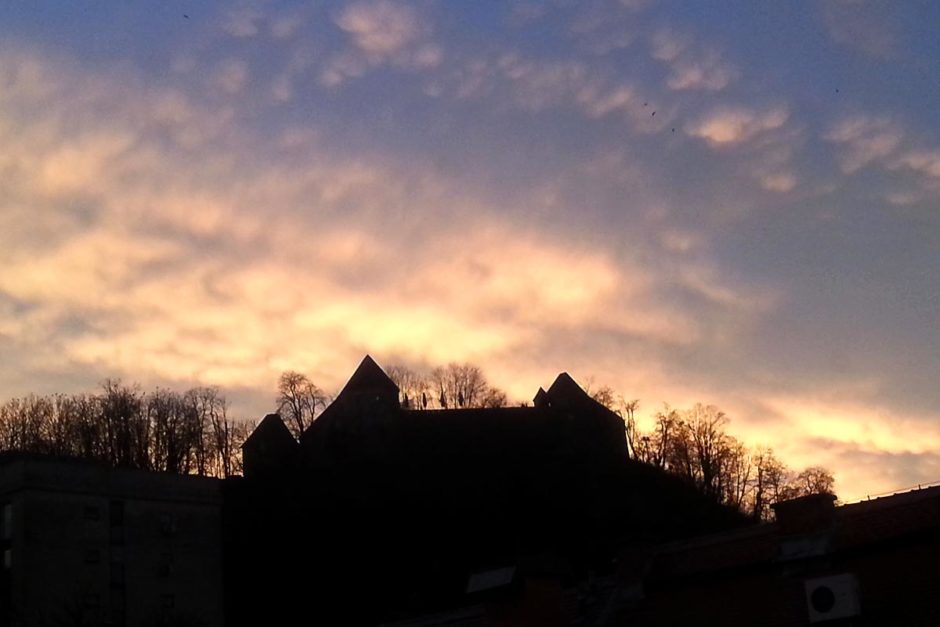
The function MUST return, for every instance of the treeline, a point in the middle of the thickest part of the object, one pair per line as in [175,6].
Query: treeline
[181,432]
[191,433]
[694,444]
[453,386]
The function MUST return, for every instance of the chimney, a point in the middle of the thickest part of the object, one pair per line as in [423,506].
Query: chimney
[805,515]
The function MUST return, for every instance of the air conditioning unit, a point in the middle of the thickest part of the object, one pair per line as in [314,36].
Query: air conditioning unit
[829,598]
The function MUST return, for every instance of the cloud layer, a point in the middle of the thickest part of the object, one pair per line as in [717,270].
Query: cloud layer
[605,188]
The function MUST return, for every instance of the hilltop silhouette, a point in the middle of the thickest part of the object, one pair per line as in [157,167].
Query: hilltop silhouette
[401,506]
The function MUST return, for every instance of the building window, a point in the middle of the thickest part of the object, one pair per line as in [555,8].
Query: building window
[92,513]
[118,608]
[7,521]
[117,513]
[167,524]
[7,559]
[117,522]
[117,575]
[92,601]
[118,618]
[165,567]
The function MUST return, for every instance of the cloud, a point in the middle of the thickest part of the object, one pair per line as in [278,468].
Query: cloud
[522,12]
[381,32]
[602,27]
[867,27]
[873,473]
[692,67]
[242,22]
[232,77]
[879,142]
[635,5]
[871,447]
[175,274]
[864,139]
[778,182]
[533,217]
[380,28]
[667,45]
[282,89]
[285,26]
[726,126]
[926,162]
[903,198]
[514,81]
[538,86]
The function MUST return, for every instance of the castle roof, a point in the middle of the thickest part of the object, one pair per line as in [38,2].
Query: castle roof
[369,376]
[271,429]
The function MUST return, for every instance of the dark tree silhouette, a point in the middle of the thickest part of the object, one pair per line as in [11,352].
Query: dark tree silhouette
[454,386]
[695,445]
[812,480]
[299,400]
[187,433]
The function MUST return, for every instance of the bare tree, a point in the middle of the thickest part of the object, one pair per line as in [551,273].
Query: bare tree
[811,480]
[227,437]
[493,397]
[453,386]
[627,411]
[298,401]
[604,395]
[767,483]
[737,469]
[709,446]
[125,427]
[87,431]
[413,388]
[165,411]
[121,426]
[660,445]
[458,385]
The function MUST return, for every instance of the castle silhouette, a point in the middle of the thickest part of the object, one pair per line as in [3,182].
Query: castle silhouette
[403,506]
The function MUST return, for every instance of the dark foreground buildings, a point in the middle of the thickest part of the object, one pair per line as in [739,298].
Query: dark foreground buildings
[868,563]
[474,517]
[84,544]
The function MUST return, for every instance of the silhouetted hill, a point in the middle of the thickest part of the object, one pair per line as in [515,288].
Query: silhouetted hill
[391,510]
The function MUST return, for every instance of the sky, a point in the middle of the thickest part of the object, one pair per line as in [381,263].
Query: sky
[731,203]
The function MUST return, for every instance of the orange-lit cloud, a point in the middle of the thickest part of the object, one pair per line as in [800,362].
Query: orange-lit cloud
[381,32]
[268,187]
[171,258]
[731,125]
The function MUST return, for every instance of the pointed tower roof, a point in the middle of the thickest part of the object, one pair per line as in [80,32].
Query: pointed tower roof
[270,450]
[369,376]
[566,387]
[565,393]
[541,398]
[369,391]
[271,428]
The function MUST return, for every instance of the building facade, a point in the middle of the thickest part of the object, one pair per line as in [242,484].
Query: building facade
[84,544]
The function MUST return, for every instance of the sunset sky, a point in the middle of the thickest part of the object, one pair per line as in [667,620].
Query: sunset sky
[735,203]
